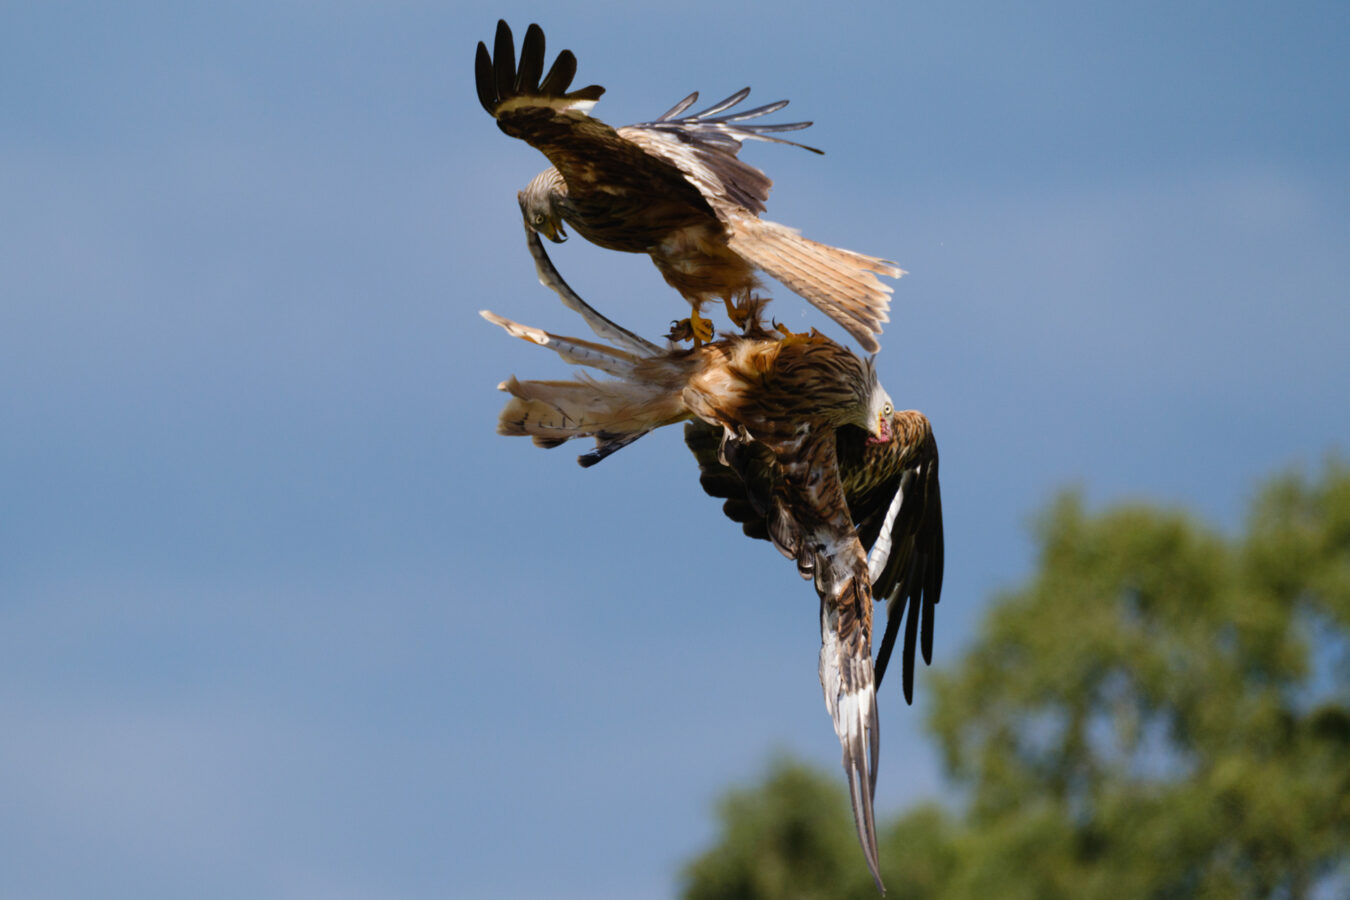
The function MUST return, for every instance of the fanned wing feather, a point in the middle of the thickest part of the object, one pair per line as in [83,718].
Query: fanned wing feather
[503,60]
[531,61]
[502,89]
[704,146]
[484,80]
[560,75]
[726,133]
[679,107]
[590,155]
[907,555]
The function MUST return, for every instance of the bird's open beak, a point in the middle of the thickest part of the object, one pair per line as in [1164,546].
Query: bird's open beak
[882,433]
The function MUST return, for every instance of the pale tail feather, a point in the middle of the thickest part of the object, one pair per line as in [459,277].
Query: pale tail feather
[576,351]
[840,283]
[614,412]
[553,412]
[851,699]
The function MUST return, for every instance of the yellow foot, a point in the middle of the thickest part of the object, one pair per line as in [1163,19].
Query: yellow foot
[695,328]
[797,337]
[745,314]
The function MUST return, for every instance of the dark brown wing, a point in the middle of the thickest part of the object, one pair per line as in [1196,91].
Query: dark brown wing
[590,155]
[899,478]
[676,153]
[896,501]
[747,490]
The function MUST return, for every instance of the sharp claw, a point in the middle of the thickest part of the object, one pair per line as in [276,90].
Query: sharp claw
[695,328]
[679,330]
[744,314]
[703,329]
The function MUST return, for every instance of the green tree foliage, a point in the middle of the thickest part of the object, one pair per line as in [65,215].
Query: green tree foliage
[1160,711]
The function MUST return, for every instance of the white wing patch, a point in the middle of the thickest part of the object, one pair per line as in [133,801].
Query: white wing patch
[535,101]
[881,549]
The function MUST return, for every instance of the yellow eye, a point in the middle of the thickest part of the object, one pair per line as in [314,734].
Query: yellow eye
[887,409]
[540,219]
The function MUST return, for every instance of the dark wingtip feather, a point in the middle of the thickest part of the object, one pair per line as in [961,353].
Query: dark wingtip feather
[608,443]
[560,75]
[933,581]
[907,662]
[887,644]
[926,632]
[589,92]
[504,58]
[531,61]
[482,72]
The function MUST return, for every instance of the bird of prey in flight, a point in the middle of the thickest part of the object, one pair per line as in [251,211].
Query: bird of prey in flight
[797,432]
[673,188]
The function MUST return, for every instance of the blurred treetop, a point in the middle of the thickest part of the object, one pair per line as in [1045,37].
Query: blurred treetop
[1160,711]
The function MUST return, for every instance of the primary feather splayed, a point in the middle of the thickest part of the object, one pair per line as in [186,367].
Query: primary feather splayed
[673,188]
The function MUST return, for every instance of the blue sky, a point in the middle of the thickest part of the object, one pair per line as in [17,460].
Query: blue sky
[282,617]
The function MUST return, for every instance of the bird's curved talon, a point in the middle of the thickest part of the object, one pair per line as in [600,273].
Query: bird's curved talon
[695,328]
[744,314]
[798,337]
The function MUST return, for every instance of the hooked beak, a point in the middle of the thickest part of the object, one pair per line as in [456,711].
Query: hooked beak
[552,232]
[882,433]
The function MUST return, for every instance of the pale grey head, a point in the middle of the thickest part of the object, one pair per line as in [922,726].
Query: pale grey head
[539,205]
[879,408]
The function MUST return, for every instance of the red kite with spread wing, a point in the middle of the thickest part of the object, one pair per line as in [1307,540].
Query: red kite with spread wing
[673,188]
